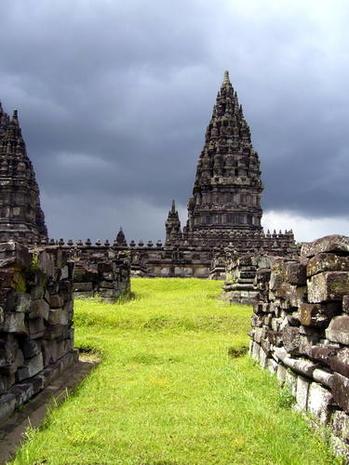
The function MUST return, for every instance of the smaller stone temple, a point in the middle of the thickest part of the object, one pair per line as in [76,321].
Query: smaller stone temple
[21,216]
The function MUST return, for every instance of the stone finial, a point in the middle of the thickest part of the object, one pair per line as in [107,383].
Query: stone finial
[15,115]
[173,208]
[226,79]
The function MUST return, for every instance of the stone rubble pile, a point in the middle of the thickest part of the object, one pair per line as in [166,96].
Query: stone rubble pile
[300,330]
[36,322]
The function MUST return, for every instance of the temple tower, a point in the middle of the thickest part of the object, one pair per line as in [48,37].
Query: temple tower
[227,190]
[21,217]
[173,226]
[120,240]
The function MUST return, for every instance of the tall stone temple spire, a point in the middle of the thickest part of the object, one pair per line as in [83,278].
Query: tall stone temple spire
[21,217]
[227,190]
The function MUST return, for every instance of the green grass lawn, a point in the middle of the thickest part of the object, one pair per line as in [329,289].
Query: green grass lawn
[167,391]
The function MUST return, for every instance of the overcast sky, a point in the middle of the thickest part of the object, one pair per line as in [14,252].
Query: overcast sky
[114,97]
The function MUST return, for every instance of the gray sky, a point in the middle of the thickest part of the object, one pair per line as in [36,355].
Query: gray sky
[114,98]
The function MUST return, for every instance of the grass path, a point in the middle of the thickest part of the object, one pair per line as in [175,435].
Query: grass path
[168,393]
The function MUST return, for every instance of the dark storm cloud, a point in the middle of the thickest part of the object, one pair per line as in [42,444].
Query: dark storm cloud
[114,98]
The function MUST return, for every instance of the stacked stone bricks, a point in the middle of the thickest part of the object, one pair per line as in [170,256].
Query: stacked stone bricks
[239,283]
[300,330]
[101,270]
[36,314]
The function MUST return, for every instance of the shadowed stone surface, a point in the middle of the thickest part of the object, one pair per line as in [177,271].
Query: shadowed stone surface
[308,337]
[36,340]
[21,217]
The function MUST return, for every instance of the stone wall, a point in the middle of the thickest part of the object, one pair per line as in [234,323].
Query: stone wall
[36,314]
[100,268]
[101,271]
[240,272]
[300,330]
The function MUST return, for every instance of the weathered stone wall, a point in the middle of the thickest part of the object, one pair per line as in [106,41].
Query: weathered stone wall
[176,259]
[101,271]
[300,330]
[205,259]
[170,262]
[36,315]
[240,272]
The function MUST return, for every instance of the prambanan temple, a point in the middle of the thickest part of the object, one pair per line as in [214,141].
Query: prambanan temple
[300,325]
[224,210]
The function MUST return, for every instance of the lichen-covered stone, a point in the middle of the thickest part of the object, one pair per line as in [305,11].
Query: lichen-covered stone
[34,337]
[317,315]
[340,424]
[340,391]
[291,339]
[14,323]
[281,373]
[30,368]
[327,262]
[345,304]
[328,286]
[7,405]
[302,390]
[333,243]
[295,273]
[308,337]
[291,382]
[319,402]
[322,354]
[39,309]
[338,330]
[340,362]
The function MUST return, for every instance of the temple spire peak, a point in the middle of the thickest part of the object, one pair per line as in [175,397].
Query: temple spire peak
[226,79]
[173,207]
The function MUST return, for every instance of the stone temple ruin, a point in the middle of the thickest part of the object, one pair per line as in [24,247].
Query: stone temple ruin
[224,209]
[21,217]
[300,328]
[225,206]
